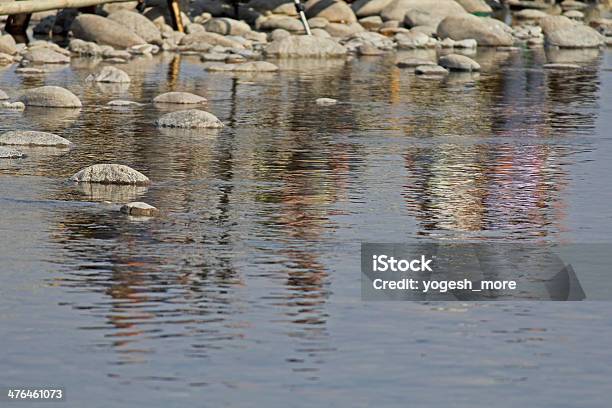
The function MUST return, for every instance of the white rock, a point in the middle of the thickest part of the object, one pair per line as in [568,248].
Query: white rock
[183,98]
[110,174]
[109,74]
[18,106]
[120,102]
[326,101]
[430,70]
[33,138]
[9,153]
[139,209]
[189,119]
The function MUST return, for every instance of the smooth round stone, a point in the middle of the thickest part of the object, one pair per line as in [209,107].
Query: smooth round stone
[121,103]
[457,62]
[183,98]
[559,66]
[430,70]
[189,119]
[139,209]
[111,174]
[3,95]
[18,106]
[213,56]
[413,62]
[50,97]
[8,153]
[326,101]
[110,74]
[33,138]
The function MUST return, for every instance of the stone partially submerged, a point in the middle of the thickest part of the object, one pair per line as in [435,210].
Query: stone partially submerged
[110,74]
[305,46]
[189,119]
[139,209]
[50,97]
[33,138]
[182,98]
[485,30]
[560,31]
[3,95]
[457,62]
[10,153]
[111,174]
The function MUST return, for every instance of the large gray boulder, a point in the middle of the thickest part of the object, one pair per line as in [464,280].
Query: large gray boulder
[305,46]
[110,174]
[334,11]
[485,30]
[139,24]
[562,32]
[50,97]
[438,9]
[7,44]
[90,27]
[33,138]
[366,8]
[189,119]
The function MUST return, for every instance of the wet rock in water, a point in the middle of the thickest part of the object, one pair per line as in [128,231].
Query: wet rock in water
[374,39]
[50,97]
[6,59]
[368,8]
[3,95]
[235,59]
[185,98]
[430,70]
[561,66]
[334,11]
[433,10]
[139,209]
[218,67]
[122,103]
[210,39]
[30,71]
[189,119]
[8,153]
[44,55]
[90,27]
[368,50]
[413,62]
[8,45]
[138,24]
[305,46]
[144,49]
[255,66]
[486,31]
[414,39]
[326,101]
[86,48]
[33,138]
[562,32]
[110,174]
[109,74]
[226,26]
[457,62]
[213,56]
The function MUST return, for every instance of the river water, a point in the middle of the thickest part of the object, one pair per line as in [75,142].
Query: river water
[246,292]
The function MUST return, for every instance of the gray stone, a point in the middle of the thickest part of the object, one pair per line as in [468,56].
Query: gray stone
[110,74]
[326,101]
[50,97]
[17,106]
[30,71]
[286,7]
[486,31]
[430,70]
[317,22]
[530,14]
[183,98]
[86,48]
[90,27]
[210,39]
[273,22]
[368,50]
[371,22]
[475,6]
[122,103]
[437,9]
[3,95]
[367,8]
[341,30]
[8,45]
[255,66]
[44,55]
[457,62]
[334,11]
[227,26]
[139,24]
[562,32]
[279,34]
[189,119]
[8,153]
[110,174]
[413,40]
[139,209]
[305,46]
[413,62]
[33,138]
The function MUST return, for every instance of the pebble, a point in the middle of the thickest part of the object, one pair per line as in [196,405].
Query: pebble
[33,138]
[110,174]
[189,119]
[139,209]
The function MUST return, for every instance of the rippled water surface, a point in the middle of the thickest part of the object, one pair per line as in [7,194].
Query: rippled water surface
[246,292]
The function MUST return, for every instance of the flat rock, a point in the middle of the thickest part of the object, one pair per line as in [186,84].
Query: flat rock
[334,11]
[254,66]
[561,66]
[183,98]
[44,55]
[50,97]
[189,119]
[226,26]
[109,74]
[368,8]
[485,30]
[110,174]
[575,36]
[413,62]
[305,46]
[368,50]
[90,27]
[457,62]
[86,48]
[139,209]
[9,153]
[430,70]
[137,23]
[120,103]
[33,138]
[18,106]
[211,39]
[3,95]
[326,101]
[433,10]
